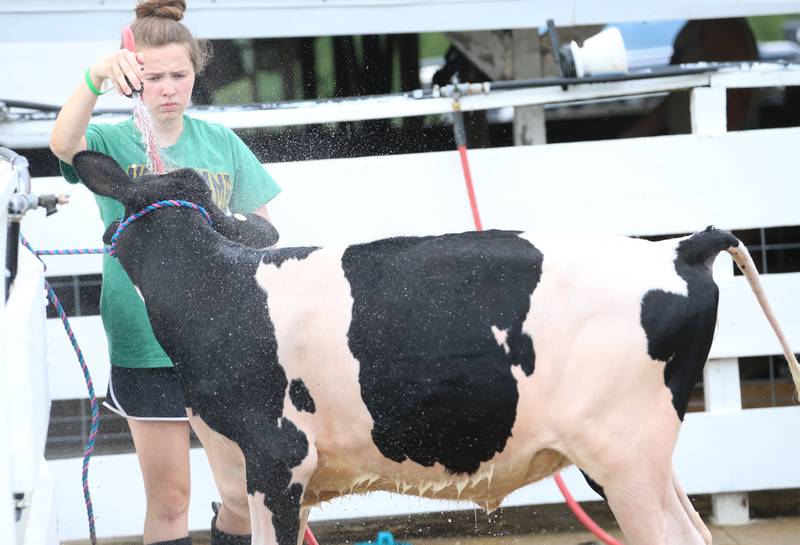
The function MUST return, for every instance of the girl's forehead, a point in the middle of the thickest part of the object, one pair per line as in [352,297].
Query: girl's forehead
[166,57]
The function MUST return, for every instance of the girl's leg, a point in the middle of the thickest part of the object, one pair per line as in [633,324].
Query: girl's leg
[227,465]
[163,451]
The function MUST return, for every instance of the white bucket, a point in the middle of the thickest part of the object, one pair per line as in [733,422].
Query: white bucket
[603,53]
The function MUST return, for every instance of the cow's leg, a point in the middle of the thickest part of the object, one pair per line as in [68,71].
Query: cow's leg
[649,511]
[303,524]
[260,520]
[690,511]
[279,465]
[267,522]
[617,422]
[638,481]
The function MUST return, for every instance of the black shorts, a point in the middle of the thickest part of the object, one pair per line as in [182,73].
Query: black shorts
[145,394]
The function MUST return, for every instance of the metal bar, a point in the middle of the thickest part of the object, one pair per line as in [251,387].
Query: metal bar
[783,246]
[12,255]
[21,179]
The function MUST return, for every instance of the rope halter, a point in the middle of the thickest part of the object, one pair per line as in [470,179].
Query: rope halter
[112,250]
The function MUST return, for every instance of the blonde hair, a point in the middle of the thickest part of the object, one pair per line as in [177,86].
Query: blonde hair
[158,23]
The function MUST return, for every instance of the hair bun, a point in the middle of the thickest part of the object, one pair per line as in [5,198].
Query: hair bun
[168,9]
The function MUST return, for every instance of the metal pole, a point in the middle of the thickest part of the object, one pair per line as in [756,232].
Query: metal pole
[16,209]
[12,254]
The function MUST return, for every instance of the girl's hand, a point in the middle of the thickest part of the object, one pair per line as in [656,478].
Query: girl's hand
[123,68]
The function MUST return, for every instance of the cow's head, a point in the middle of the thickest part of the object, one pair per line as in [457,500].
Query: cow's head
[104,176]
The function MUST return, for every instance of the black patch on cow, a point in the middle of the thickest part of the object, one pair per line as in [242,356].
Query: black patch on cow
[433,376]
[272,476]
[278,256]
[701,248]
[212,319]
[594,485]
[301,397]
[254,231]
[680,328]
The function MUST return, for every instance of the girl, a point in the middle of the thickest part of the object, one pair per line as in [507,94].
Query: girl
[143,386]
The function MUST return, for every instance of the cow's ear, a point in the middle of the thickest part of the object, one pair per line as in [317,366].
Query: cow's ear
[102,175]
[251,230]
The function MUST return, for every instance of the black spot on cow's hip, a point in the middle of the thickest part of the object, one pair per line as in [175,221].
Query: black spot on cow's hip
[301,397]
[680,328]
[433,375]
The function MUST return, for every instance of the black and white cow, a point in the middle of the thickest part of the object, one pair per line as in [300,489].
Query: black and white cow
[460,366]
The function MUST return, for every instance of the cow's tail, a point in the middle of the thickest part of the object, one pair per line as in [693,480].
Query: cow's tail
[743,260]
[704,246]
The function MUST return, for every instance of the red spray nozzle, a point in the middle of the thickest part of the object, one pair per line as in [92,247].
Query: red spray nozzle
[128,42]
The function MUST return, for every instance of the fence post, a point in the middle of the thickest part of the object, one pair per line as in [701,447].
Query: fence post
[721,384]
[723,393]
[708,110]
[529,122]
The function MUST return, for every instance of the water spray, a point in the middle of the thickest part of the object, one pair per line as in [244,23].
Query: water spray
[140,114]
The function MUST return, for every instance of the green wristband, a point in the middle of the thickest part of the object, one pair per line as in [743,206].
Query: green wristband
[90,84]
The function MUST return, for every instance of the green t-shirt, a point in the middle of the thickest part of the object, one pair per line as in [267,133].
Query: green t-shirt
[238,183]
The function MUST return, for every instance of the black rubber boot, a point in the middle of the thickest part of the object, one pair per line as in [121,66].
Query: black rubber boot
[221,538]
[180,541]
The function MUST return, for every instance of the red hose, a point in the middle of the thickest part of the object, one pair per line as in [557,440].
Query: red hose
[309,537]
[128,41]
[581,515]
[473,202]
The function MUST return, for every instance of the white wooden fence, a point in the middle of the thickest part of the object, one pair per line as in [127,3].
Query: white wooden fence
[660,185]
